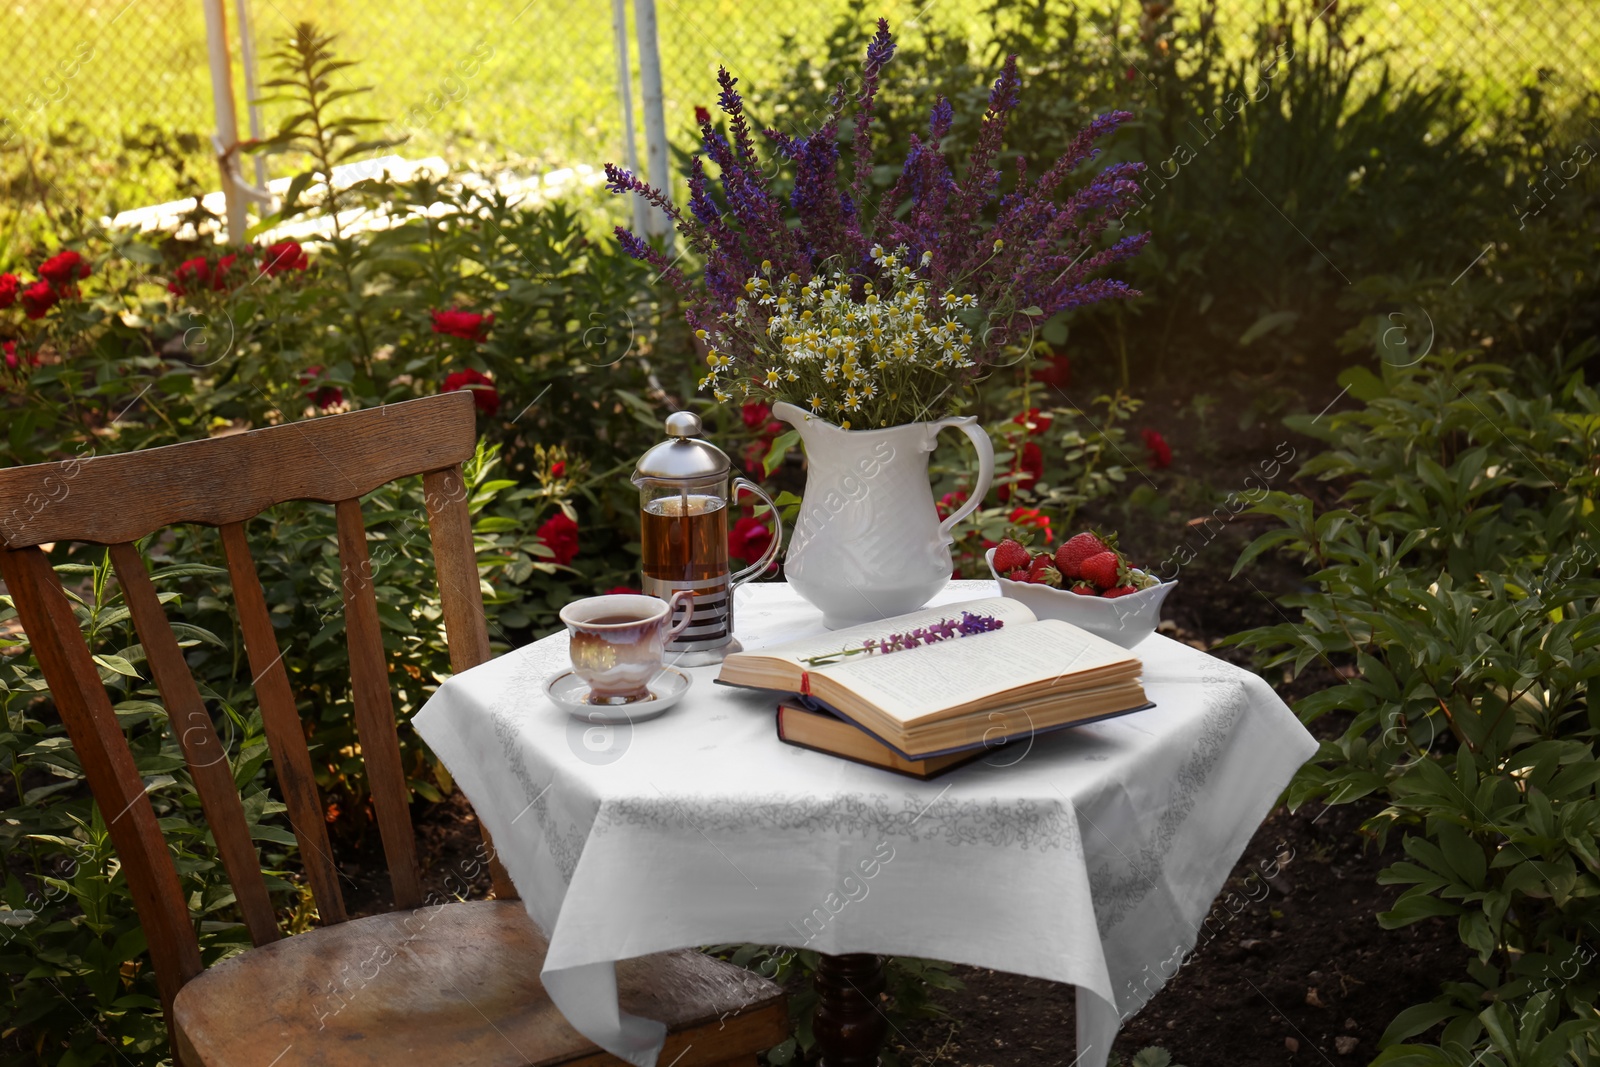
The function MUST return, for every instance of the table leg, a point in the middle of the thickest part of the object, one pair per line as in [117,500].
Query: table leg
[850,1026]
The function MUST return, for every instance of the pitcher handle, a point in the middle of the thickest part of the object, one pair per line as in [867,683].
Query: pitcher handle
[759,566]
[968,424]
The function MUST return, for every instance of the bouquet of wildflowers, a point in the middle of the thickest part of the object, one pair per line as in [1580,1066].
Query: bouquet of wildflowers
[880,313]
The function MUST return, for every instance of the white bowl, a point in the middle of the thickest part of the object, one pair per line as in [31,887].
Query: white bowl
[1123,620]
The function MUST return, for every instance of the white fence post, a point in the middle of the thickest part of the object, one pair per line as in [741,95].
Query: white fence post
[655,123]
[247,56]
[226,141]
[630,150]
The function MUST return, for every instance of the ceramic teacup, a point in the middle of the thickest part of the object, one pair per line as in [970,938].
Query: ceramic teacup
[618,641]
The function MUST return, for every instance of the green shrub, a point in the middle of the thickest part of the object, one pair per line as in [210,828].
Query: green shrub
[1458,577]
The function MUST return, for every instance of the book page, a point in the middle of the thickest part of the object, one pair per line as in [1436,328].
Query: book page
[920,684]
[1012,612]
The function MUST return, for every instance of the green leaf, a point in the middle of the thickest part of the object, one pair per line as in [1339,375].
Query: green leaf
[117,665]
[1415,1020]
[779,448]
[1362,383]
[140,253]
[1414,907]
[1267,323]
[1270,539]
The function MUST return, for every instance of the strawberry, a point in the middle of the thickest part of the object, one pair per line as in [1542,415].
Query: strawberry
[1019,575]
[1101,569]
[1043,571]
[1085,589]
[1010,555]
[1070,557]
[1121,590]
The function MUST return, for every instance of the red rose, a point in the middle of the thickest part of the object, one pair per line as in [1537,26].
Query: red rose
[558,468]
[749,539]
[1029,469]
[63,269]
[1034,421]
[9,285]
[467,325]
[621,590]
[1132,74]
[1054,370]
[560,535]
[1160,452]
[324,396]
[484,394]
[702,115]
[284,256]
[10,348]
[950,503]
[1035,518]
[39,298]
[220,273]
[755,414]
[191,274]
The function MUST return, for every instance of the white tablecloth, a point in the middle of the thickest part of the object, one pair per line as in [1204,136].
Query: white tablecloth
[1090,857]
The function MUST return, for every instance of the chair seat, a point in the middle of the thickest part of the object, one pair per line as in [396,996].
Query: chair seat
[456,985]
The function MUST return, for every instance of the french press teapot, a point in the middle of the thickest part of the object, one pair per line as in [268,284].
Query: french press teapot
[684,501]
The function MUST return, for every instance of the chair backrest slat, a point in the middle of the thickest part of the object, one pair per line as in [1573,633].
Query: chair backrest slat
[374,706]
[231,479]
[113,778]
[445,495]
[190,722]
[291,760]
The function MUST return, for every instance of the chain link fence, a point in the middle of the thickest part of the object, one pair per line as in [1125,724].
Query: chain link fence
[124,88]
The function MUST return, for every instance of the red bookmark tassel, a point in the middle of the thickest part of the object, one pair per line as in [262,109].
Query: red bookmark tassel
[805,683]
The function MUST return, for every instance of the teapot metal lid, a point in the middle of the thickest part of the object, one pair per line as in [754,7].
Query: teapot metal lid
[684,457]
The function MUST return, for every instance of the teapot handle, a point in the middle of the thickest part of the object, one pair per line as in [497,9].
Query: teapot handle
[760,565]
[968,425]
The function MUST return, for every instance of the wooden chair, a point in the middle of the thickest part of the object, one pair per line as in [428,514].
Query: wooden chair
[455,983]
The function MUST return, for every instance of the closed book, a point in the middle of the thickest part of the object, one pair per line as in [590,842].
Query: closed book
[823,732]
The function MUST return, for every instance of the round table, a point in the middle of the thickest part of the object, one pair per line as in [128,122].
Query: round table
[1087,856]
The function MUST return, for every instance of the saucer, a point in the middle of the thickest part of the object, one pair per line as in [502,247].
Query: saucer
[571,694]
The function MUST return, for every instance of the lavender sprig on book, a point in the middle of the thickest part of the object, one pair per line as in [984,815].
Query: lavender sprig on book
[943,630]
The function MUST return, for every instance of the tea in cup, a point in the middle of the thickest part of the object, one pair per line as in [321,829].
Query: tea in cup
[618,641]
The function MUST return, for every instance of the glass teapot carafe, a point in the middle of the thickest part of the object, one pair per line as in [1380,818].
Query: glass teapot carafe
[684,501]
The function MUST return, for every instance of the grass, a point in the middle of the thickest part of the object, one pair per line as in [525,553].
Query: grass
[110,107]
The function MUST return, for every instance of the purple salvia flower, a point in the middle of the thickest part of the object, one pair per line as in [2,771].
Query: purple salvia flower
[638,248]
[1042,247]
[981,175]
[701,204]
[879,52]
[881,49]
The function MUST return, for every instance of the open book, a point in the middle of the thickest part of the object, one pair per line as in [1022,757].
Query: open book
[1029,675]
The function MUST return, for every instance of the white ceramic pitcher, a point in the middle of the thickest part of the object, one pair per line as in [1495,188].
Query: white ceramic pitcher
[868,542]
